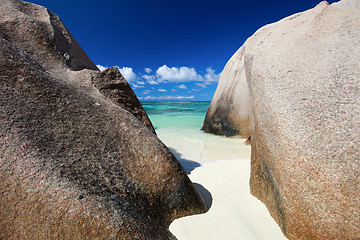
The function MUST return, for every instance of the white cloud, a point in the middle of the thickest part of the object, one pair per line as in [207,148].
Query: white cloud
[152,82]
[203,85]
[147,91]
[173,74]
[101,68]
[150,79]
[168,97]
[162,90]
[128,74]
[135,86]
[182,86]
[211,76]
[165,74]
[140,82]
[148,70]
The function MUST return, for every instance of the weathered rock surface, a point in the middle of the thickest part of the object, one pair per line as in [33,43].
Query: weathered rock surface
[113,85]
[74,164]
[228,113]
[41,33]
[303,76]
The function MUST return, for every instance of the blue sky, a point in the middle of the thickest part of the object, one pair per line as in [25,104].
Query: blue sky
[168,50]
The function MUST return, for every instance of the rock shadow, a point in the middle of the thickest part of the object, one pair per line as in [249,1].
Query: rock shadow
[205,194]
[188,165]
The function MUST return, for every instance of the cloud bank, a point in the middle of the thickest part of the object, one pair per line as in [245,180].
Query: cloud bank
[169,83]
[173,74]
[165,74]
[168,97]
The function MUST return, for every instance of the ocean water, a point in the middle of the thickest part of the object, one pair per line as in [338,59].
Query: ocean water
[188,115]
[178,125]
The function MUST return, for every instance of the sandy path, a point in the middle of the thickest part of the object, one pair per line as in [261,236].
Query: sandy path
[234,212]
[220,169]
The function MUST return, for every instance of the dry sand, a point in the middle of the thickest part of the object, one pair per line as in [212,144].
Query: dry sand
[220,169]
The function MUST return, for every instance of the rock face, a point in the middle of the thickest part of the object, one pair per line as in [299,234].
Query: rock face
[75,163]
[113,85]
[303,76]
[228,113]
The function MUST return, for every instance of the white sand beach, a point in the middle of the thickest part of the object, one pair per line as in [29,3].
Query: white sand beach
[220,169]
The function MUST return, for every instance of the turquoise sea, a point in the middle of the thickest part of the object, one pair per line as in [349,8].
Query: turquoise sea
[178,125]
[189,115]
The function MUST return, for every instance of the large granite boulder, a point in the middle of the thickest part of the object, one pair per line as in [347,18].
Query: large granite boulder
[75,163]
[228,113]
[303,76]
[41,34]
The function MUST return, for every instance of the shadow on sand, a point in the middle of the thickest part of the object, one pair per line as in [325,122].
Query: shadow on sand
[205,194]
[189,166]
